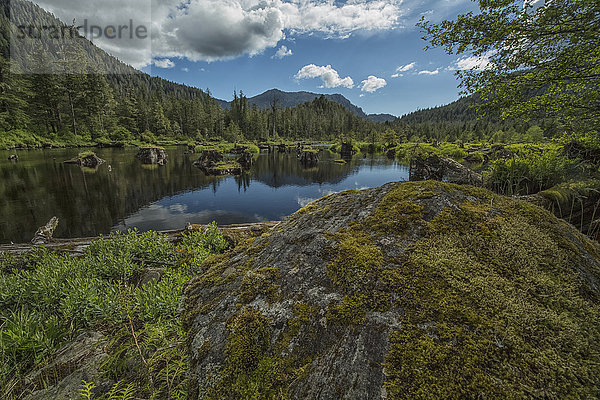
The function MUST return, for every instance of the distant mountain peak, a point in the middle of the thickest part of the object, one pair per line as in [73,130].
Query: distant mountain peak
[293,99]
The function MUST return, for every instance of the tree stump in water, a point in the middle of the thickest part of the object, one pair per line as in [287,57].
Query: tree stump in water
[347,150]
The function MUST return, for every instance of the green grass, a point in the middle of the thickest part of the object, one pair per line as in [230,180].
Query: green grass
[226,165]
[228,147]
[47,298]
[530,171]
[85,154]
[408,151]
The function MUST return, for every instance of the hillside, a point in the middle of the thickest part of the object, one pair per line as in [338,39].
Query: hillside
[460,110]
[122,77]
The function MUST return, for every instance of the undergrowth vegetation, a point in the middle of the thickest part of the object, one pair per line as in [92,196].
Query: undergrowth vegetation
[530,171]
[48,298]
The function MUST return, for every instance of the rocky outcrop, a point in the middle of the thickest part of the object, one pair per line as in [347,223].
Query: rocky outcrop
[152,155]
[409,290]
[87,160]
[62,377]
[308,158]
[442,168]
[13,157]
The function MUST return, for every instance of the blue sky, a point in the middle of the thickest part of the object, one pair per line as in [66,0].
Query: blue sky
[358,57]
[353,47]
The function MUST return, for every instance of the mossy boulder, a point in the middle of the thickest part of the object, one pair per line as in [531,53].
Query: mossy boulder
[416,290]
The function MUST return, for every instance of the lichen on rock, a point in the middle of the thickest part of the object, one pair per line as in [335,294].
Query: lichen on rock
[407,291]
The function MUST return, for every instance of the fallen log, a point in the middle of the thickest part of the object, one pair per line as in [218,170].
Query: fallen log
[233,233]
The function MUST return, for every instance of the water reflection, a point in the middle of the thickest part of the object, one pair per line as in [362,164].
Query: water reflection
[89,203]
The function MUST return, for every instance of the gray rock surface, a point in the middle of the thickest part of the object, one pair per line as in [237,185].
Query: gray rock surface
[74,363]
[318,308]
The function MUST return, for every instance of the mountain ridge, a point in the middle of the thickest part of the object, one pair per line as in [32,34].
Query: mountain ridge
[292,99]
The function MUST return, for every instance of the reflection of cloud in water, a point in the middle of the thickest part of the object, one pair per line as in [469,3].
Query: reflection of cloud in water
[175,217]
[303,201]
[327,192]
[180,208]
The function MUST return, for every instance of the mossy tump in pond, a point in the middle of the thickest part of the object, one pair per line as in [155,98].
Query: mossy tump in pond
[421,290]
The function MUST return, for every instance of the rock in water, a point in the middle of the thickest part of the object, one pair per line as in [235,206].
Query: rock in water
[309,158]
[440,168]
[13,157]
[410,290]
[87,159]
[211,162]
[152,155]
[208,158]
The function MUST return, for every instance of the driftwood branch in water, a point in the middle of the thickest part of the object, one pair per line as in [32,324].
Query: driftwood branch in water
[44,233]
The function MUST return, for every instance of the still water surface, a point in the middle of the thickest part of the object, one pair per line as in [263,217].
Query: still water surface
[89,202]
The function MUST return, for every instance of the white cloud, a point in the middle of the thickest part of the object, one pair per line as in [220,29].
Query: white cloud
[210,30]
[328,75]
[283,51]
[372,84]
[397,75]
[163,63]
[426,72]
[473,63]
[405,68]
[185,69]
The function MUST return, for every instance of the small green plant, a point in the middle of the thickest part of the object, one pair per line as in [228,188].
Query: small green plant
[47,298]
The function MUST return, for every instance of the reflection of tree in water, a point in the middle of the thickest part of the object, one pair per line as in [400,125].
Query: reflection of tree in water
[86,203]
[41,186]
[278,169]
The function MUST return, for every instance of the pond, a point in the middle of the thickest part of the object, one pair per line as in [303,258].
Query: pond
[130,195]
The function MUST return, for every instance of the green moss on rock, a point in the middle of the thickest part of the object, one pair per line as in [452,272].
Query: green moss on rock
[421,290]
